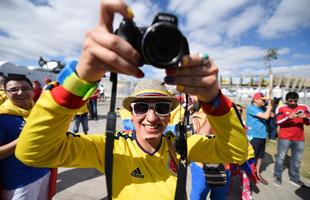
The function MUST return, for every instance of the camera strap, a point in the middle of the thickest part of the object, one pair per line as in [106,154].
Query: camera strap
[181,148]
[110,130]
[181,145]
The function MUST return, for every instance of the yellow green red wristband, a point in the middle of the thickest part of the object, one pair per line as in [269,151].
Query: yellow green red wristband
[78,87]
[73,84]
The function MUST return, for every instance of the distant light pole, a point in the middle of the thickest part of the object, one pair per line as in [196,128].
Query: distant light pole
[271,54]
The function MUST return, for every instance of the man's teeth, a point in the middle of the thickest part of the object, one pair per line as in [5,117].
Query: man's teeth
[152,126]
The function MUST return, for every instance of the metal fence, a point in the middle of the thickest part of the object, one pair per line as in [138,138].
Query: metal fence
[238,94]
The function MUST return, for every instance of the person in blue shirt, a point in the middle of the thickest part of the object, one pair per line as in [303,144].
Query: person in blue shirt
[257,115]
[17,180]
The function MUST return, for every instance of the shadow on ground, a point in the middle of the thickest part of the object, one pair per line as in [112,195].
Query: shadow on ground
[303,193]
[71,177]
[268,160]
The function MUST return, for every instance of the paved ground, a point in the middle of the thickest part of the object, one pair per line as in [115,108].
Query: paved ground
[84,184]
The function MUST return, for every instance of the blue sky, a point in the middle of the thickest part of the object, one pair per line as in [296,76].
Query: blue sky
[235,33]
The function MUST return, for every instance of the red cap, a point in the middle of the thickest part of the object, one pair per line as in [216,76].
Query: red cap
[259,95]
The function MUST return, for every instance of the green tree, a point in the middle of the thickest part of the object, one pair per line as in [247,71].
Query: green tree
[271,54]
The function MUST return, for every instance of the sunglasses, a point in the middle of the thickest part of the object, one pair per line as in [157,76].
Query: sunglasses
[160,108]
[16,90]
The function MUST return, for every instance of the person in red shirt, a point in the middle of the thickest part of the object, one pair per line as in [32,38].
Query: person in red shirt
[291,119]
[37,89]
[46,81]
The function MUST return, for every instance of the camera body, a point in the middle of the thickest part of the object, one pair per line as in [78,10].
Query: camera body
[161,44]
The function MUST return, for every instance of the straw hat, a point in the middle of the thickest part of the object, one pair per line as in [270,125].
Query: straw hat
[150,89]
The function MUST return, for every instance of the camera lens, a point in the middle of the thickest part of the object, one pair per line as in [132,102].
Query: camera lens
[162,45]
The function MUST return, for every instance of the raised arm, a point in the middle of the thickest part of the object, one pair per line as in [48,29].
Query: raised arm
[43,141]
[198,76]
[104,51]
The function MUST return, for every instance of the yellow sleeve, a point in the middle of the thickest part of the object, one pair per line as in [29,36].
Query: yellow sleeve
[250,152]
[83,110]
[229,146]
[44,141]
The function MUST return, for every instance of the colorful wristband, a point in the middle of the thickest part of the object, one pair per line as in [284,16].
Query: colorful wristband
[73,84]
[220,105]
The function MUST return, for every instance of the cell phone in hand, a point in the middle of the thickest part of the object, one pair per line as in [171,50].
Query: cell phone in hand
[299,112]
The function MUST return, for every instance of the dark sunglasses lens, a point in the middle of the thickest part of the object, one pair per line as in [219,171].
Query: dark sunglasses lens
[162,108]
[141,108]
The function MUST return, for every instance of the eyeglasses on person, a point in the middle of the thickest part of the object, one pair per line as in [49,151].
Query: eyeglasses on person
[16,90]
[142,108]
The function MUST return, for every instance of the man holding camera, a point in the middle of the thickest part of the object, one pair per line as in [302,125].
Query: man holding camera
[143,161]
[291,119]
[257,115]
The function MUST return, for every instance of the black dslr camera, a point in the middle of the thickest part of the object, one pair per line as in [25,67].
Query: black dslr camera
[161,44]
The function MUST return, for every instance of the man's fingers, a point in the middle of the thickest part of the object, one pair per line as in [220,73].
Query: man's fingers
[195,60]
[109,8]
[116,44]
[110,58]
[192,71]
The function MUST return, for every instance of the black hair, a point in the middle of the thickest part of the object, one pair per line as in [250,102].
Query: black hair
[291,95]
[17,78]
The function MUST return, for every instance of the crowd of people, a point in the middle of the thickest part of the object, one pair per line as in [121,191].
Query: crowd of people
[35,123]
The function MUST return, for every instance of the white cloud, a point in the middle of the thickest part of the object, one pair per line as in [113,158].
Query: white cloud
[244,60]
[294,70]
[217,27]
[283,51]
[248,19]
[289,16]
[302,56]
[42,30]
[204,37]
[205,13]
[144,11]
[286,71]
[54,30]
